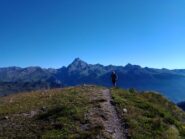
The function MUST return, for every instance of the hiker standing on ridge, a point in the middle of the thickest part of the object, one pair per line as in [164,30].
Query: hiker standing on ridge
[114,78]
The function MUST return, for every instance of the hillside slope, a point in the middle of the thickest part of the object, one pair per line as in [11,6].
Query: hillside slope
[89,112]
[149,115]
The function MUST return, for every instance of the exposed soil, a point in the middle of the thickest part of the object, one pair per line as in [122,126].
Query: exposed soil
[104,113]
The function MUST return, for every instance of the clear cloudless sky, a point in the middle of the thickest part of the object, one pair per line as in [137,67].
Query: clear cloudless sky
[51,33]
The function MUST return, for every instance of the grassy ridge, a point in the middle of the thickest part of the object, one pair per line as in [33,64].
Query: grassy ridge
[58,113]
[149,115]
[64,114]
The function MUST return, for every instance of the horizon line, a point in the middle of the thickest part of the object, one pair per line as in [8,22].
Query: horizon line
[43,67]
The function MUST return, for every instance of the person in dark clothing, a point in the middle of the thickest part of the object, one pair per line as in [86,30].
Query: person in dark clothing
[114,78]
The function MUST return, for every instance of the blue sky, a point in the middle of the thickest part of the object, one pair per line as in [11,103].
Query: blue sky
[51,33]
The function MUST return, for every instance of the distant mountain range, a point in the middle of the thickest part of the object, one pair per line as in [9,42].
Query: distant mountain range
[170,83]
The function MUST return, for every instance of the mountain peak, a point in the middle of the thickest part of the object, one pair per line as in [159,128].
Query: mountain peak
[77,60]
[130,66]
[78,64]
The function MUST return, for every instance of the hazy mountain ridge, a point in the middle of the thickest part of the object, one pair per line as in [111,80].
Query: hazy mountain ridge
[169,82]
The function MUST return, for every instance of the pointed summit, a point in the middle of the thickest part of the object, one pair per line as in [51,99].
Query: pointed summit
[77,64]
[130,66]
[77,60]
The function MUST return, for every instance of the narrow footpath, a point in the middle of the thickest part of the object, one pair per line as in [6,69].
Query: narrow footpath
[105,114]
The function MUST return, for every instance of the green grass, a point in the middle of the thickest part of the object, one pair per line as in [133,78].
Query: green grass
[63,115]
[149,115]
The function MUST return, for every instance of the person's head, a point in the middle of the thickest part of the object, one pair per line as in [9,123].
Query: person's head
[113,72]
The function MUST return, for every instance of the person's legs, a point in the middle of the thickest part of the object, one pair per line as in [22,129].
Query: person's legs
[114,83]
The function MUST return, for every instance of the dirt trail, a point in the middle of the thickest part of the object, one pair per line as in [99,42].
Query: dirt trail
[105,114]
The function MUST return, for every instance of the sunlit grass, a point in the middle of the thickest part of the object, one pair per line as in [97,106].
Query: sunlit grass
[149,115]
[64,113]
